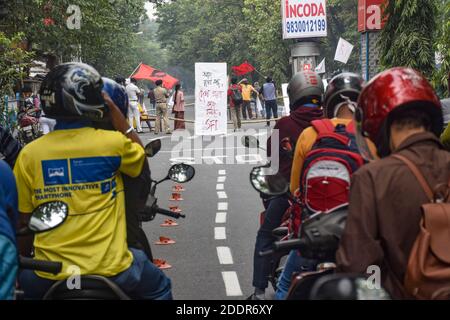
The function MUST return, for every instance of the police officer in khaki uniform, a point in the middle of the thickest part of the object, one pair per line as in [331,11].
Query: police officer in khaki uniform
[161,96]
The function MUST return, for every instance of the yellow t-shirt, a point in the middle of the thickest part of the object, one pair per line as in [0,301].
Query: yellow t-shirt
[304,145]
[80,167]
[247,92]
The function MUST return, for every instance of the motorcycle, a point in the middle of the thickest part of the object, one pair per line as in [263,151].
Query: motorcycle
[94,287]
[282,232]
[29,127]
[318,239]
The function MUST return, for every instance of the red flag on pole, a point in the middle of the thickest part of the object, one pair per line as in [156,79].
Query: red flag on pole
[243,69]
[145,72]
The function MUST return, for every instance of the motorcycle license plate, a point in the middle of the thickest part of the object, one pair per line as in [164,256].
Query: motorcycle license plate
[29,128]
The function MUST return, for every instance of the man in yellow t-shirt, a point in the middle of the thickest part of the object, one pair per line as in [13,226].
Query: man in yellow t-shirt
[247,90]
[82,167]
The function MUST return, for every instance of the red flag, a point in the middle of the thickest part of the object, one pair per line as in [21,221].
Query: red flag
[243,69]
[146,72]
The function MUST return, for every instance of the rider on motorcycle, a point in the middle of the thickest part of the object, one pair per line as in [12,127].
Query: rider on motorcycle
[83,167]
[9,147]
[340,103]
[400,112]
[8,223]
[136,189]
[305,93]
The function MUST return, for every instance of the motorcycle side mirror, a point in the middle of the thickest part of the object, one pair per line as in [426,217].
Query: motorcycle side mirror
[48,216]
[181,173]
[270,185]
[346,287]
[250,142]
[152,148]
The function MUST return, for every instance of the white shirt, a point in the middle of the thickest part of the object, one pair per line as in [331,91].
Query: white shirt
[132,91]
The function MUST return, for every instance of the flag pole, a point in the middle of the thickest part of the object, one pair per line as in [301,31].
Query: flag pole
[260,73]
[135,70]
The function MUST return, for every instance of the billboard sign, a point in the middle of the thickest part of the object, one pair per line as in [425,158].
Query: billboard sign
[304,18]
[370,15]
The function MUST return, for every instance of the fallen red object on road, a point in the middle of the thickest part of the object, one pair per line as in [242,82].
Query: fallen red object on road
[169,223]
[161,264]
[176,197]
[165,241]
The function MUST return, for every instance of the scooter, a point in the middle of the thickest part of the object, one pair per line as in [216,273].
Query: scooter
[318,239]
[51,215]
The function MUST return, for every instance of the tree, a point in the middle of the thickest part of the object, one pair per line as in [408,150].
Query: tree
[440,76]
[408,37]
[342,16]
[270,52]
[13,62]
[105,37]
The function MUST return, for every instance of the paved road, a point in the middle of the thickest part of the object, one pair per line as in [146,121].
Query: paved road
[213,254]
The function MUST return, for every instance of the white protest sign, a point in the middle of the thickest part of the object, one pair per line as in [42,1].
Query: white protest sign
[287,109]
[321,67]
[211,99]
[343,51]
[304,18]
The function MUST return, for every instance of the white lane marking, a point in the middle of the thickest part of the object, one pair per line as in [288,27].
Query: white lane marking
[160,138]
[221,179]
[219,186]
[207,149]
[221,217]
[220,233]
[224,254]
[222,195]
[222,206]
[222,172]
[232,286]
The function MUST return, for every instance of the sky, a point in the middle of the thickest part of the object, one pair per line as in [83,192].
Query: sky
[150,10]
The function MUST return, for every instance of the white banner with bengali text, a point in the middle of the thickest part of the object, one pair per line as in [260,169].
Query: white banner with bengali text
[211,86]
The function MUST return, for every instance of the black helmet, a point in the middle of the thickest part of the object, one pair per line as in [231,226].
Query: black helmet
[73,91]
[303,87]
[343,87]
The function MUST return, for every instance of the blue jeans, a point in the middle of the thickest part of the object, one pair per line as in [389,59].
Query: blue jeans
[142,280]
[294,263]
[264,240]
[271,107]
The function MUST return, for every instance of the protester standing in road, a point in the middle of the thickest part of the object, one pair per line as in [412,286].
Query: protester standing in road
[161,96]
[178,108]
[235,96]
[247,90]
[269,95]
[133,112]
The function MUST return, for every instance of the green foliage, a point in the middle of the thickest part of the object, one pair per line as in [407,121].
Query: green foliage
[106,39]
[440,77]
[408,37]
[238,30]
[13,62]
[342,16]
[270,52]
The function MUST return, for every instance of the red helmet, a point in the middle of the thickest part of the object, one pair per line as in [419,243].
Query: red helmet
[392,89]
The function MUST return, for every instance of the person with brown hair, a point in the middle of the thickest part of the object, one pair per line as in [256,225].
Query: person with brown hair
[178,108]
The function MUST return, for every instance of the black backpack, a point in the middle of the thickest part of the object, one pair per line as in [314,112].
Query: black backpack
[236,96]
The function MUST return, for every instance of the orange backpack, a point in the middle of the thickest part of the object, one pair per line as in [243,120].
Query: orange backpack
[428,272]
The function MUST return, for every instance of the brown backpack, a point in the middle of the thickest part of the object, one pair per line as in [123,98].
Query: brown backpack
[428,272]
